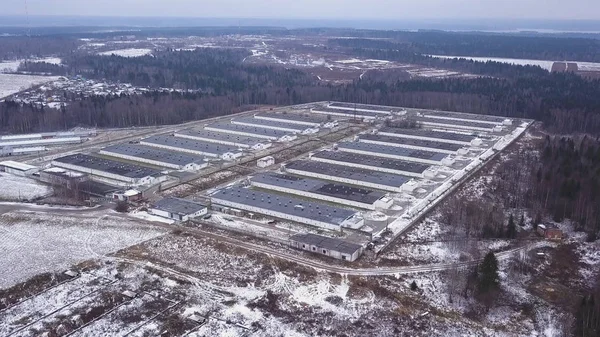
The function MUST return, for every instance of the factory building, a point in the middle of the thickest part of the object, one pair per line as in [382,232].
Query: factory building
[354,114]
[457,124]
[18,169]
[322,190]
[110,170]
[347,175]
[333,247]
[375,163]
[244,142]
[379,109]
[61,177]
[294,118]
[287,208]
[275,125]
[411,143]
[40,142]
[194,147]
[178,209]
[438,136]
[252,131]
[457,116]
[395,152]
[153,156]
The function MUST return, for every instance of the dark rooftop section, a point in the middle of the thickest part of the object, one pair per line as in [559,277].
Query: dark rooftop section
[314,119]
[178,206]
[270,124]
[97,189]
[109,166]
[382,108]
[413,142]
[452,122]
[353,173]
[392,150]
[429,134]
[279,203]
[222,136]
[473,117]
[192,145]
[152,153]
[248,129]
[325,242]
[387,163]
[319,187]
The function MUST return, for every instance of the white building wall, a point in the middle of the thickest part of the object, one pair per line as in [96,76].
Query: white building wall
[359,109]
[424,138]
[160,213]
[462,119]
[385,155]
[375,168]
[173,148]
[287,121]
[229,156]
[258,124]
[288,138]
[241,133]
[423,148]
[343,113]
[345,180]
[14,171]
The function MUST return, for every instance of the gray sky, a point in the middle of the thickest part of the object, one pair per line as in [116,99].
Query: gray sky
[318,9]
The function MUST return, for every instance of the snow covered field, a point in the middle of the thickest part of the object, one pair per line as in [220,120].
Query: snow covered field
[544,64]
[21,188]
[130,52]
[11,66]
[10,84]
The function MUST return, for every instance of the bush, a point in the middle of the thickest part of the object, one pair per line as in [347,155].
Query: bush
[122,207]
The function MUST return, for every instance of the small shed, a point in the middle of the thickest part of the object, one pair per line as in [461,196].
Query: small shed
[17,168]
[129,195]
[333,247]
[265,162]
[178,209]
[550,232]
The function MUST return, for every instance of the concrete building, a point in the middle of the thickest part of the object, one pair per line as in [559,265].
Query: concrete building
[110,171]
[244,142]
[287,208]
[457,124]
[411,143]
[178,209]
[380,109]
[395,152]
[294,118]
[332,247]
[18,169]
[61,177]
[322,190]
[195,147]
[252,131]
[275,125]
[438,136]
[375,163]
[265,162]
[153,156]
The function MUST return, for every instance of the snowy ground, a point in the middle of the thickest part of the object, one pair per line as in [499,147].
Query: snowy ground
[10,84]
[130,52]
[21,188]
[544,64]
[11,66]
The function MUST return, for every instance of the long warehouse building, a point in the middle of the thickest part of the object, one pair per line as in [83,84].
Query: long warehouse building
[388,165]
[308,120]
[322,190]
[245,142]
[394,152]
[41,142]
[382,109]
[348,175]
[292,209]
[153,156]
[275,125]
[252,131]
[458,116]
[358,114]
[196,147]
[457,124]
[438,136]
[109,169]
[412,143]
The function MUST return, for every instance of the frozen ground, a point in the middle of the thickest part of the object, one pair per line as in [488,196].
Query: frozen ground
[35,242]
[130,52]
[10,84]
[21,188]
[544,64]
[11,66]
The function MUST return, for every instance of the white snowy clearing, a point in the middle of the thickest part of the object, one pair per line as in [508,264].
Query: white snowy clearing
[11,66]
[130,52]
[21,188]
[10,84]
[544,64]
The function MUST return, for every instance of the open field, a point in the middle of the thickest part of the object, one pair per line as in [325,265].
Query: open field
[10,84]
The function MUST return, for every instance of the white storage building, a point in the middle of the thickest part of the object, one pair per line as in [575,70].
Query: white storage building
[333,247]
[252,131]
[394,152]
[245,142]
[153,156]
[275,125]
[437,136]
[195,147]
[178,209]
[17,168]
[294,118]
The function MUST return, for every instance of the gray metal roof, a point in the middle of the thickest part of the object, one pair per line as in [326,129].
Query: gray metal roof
[222,136]
[193,145]
[388,163]
[353,173]
[248,129]
[430,134]
[269,123]
[474,117]
[109,166]
[341,191]
[325,242]
[283,204]
[393,150]
[351,113]
[382,108]
[178,206]
[411,141]
[293,117]
[451,122]
[152,153]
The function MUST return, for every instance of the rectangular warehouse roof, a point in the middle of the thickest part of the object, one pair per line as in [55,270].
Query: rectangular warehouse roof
[315,211]
[349,113]
[190,144]
[269,124]
[258,131]
[107,165]
[319,187]
[411,142]
[452,122]
[475,118]
[325,242]
[392,150]
[429,134]
[154,154]
[178,206]
[334,170]
[216,137]
[388,163]
[382,108]
[292,117]
[18,166]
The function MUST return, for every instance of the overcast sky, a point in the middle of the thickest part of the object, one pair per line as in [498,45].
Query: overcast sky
[320,9]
